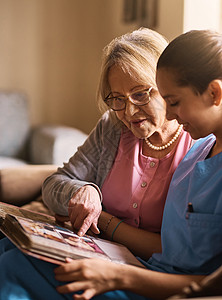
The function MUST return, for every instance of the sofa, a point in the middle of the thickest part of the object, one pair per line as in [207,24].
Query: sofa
[29,154]
[22,144]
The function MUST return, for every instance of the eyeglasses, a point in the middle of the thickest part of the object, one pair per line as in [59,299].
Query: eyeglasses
[138,98]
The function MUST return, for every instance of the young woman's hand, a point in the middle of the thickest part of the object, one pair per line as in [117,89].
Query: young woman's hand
[97,276]
[92,276]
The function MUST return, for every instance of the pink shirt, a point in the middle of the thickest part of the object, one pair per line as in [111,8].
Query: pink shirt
[135,189]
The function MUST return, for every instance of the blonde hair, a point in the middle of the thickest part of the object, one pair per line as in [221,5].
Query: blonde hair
[136,53]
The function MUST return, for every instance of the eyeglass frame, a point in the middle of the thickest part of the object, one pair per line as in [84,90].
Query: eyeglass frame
[125,98]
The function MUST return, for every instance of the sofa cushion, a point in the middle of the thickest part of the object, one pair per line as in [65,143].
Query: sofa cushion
[14,124]
[54,144]
[8,162]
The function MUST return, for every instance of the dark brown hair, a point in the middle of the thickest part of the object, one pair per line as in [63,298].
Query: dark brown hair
[195,57]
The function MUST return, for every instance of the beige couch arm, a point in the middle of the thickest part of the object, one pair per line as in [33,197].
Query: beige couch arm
[23,184]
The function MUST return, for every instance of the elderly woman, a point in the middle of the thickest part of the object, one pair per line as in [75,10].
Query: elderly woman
[126,164]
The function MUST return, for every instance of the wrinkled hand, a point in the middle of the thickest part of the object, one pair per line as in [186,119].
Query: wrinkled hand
[92,276]
[84,210]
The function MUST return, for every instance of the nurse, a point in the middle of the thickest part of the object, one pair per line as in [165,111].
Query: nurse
[189,78]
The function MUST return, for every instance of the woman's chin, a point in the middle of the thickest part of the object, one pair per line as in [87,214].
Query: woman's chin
[139,135]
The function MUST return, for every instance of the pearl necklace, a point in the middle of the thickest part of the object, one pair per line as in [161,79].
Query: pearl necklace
[158,148]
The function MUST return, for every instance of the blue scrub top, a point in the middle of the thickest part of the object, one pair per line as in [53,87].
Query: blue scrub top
[192,237]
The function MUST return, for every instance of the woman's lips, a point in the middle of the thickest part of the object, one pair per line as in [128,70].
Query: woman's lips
[137,123]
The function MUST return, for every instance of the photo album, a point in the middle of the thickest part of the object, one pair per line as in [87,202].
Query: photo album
[39,235]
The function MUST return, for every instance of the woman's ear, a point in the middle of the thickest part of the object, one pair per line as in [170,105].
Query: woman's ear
[215,91]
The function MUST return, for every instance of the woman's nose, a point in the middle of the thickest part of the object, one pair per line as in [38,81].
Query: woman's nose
[131,108]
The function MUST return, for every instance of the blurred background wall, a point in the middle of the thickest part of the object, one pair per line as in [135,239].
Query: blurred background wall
[51,49]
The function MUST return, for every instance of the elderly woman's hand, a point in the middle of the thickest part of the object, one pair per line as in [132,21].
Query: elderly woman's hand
[84,209]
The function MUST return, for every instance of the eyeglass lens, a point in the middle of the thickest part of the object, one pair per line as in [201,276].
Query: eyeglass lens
[137,98]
